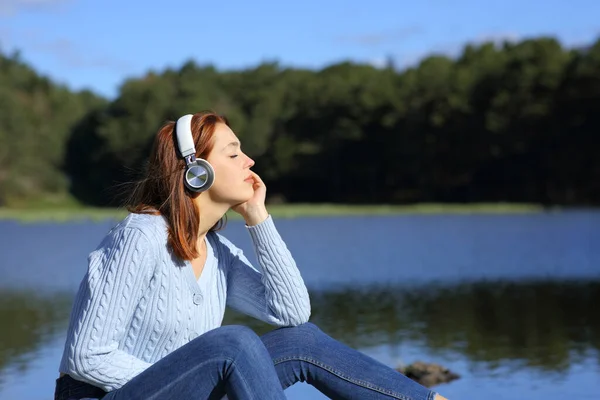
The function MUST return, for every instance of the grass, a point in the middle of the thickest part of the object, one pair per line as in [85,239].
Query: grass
[72,212]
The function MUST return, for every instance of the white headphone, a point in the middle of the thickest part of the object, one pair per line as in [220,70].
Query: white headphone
[199,174]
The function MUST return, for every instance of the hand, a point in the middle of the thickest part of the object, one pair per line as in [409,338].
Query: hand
[254,210]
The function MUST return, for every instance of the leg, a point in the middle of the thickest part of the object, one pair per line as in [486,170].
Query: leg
[228,360]
[305,353]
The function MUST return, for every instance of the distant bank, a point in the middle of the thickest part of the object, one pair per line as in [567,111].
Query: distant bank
[279,211]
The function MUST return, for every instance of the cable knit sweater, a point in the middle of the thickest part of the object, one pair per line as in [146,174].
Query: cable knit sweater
[138,302]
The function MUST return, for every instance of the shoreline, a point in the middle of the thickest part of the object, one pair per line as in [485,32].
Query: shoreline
[73,213]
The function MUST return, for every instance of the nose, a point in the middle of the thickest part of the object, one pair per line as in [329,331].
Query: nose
[249,162]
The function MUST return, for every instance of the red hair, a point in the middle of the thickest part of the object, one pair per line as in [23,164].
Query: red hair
[161,191]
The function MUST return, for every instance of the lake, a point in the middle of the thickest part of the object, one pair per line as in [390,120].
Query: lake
[509,302]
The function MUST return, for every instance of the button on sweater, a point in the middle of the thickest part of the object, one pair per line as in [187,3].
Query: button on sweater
[138,302]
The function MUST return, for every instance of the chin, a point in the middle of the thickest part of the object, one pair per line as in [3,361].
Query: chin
[230,194]
[242,197]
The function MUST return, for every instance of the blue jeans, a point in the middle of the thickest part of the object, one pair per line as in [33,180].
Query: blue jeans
[233,360]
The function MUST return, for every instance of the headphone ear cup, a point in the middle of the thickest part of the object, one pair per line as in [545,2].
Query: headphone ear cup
[199,176]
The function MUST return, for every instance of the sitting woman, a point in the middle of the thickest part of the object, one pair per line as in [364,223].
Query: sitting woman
[146,321]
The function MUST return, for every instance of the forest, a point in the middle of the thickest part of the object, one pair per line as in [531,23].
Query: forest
[500,122]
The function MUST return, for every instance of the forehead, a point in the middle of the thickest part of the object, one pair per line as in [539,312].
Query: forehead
[223,135]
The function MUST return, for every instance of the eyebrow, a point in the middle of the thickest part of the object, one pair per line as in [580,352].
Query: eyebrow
[234,144]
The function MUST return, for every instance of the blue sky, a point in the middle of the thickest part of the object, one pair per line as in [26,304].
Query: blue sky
[97,44]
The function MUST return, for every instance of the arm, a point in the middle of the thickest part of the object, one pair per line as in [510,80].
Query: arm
[275,292]
[118,274]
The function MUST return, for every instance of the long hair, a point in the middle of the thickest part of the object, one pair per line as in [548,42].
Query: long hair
[161,190]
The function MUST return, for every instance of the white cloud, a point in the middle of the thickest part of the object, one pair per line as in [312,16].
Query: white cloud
[577,38]
[374,39]
[380,62]
[497,37]
[66,52]
[453,49]
[11,7]
[70,55]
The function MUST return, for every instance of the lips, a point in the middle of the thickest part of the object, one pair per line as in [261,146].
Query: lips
[248,178]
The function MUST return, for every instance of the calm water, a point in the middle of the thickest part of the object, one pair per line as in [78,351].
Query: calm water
[509,302]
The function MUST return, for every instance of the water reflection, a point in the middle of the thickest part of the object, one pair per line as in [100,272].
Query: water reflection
[544,325]
[29,320]
[548,326]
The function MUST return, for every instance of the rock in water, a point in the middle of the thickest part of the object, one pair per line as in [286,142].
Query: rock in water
[428,374]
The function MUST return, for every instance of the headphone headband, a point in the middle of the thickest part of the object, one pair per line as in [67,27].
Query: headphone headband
[185,140]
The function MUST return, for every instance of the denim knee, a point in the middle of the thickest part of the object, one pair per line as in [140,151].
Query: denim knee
[308,326]
[303,335]
[236,338]
[302,329]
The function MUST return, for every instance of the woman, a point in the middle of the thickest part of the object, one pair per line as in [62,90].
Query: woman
[146,322]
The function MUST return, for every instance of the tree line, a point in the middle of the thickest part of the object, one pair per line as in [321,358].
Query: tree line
[514,122]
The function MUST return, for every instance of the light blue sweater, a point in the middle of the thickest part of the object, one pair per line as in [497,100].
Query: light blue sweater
[138,302]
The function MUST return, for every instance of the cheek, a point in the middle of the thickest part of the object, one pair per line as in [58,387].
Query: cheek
[222,173]
[227,178]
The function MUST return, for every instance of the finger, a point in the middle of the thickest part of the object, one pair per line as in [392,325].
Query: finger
[257,178]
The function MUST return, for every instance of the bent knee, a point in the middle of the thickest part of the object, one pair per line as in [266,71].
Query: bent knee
[237,336]
[305,333]
[307,327]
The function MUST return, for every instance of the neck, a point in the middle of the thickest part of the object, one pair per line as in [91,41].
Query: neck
[210,214]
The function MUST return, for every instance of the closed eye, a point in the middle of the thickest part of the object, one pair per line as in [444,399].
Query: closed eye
[233,156]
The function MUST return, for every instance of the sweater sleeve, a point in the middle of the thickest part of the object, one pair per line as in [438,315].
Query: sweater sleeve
[275,292]
[119,272]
